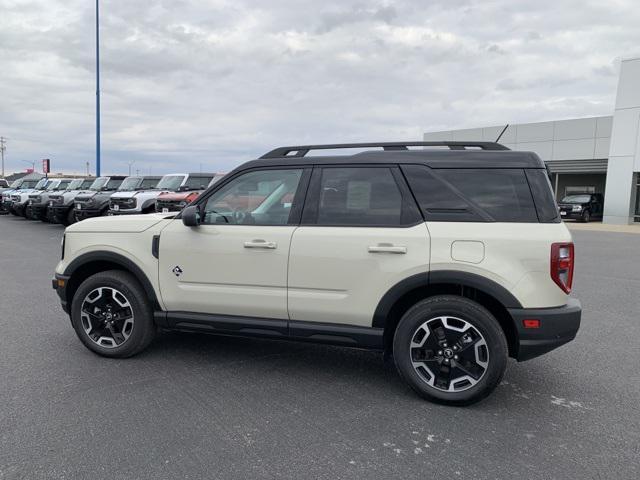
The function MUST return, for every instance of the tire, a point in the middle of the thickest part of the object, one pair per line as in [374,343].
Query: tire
[70,218]
[470,361]
[586,217]
[129,336]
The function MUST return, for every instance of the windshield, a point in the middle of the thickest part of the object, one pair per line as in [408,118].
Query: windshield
[16,183]
[53,185]
[75,184]
[86,183]
[576,199]
[63,184]
[41,184]
[98,183]
[170,182]
[130,183]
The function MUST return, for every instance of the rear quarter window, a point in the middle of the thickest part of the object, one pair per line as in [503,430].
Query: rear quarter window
[472,195]
[546,206]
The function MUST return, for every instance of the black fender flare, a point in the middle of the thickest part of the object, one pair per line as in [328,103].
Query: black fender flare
[119,260]
[428,279]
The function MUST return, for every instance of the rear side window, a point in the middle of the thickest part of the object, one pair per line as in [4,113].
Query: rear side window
[360,196]
[543,196]
[472,195]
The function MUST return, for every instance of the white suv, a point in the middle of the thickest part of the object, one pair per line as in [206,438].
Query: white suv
[449,259]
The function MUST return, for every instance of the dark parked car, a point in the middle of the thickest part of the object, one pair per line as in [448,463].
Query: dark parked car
[96,202]
[582,206]
[38,204]
[61,204]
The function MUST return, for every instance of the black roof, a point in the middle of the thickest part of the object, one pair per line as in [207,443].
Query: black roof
[453,155]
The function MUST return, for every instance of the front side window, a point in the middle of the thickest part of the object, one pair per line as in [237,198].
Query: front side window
[113,184]
[361,196]
[261,197]
[149,183]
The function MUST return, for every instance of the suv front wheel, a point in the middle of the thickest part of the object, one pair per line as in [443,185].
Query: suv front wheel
[450,350]
[111,314]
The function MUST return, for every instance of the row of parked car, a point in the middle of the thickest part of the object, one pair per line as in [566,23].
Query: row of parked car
[68,200]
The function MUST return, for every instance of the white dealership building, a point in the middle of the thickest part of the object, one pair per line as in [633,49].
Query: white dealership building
[594,155]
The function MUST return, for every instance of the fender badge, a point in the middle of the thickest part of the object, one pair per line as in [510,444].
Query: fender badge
[177,271]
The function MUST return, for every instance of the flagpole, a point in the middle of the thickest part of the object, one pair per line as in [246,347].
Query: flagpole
[97,89]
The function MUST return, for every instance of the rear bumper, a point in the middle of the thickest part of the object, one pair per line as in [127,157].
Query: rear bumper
[558,325]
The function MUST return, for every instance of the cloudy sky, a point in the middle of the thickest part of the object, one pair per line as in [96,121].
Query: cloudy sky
[187,83]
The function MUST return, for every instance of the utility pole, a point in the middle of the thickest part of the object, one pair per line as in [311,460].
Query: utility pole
[87,169]
[3,147]
[130,163]
[97,90]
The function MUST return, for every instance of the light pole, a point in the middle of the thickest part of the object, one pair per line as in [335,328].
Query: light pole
[32,163]
[131,165]
[3,147]
[97,89]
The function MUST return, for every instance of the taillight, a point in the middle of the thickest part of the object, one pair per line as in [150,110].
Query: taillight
[562,260]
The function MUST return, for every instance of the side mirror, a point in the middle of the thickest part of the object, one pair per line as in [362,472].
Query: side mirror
[191,216]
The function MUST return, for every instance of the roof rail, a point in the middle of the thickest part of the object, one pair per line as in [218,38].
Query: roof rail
[302,150]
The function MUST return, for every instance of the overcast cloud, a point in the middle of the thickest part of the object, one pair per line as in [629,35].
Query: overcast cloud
[216,82]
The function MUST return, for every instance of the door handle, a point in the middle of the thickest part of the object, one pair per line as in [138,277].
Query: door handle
[387,248]
[259,243]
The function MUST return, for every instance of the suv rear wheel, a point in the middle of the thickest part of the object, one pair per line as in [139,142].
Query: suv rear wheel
[450,350]
[111,314]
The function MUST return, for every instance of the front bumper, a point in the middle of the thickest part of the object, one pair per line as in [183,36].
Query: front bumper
[18,209]
[558,325]
[564,214]
[88,213]
[59,284]
[38,210]
[5,207]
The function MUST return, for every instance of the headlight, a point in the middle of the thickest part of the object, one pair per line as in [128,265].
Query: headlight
[577,208]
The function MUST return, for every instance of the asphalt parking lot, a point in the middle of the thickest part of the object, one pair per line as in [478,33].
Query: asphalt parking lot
[197,406]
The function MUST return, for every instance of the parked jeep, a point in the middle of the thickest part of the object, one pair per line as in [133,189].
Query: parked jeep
[582,206]
[449,259]
[18,185]
[135,195]
[96,202]
[38,203]
[61,204]
[191,187]
[20,197]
